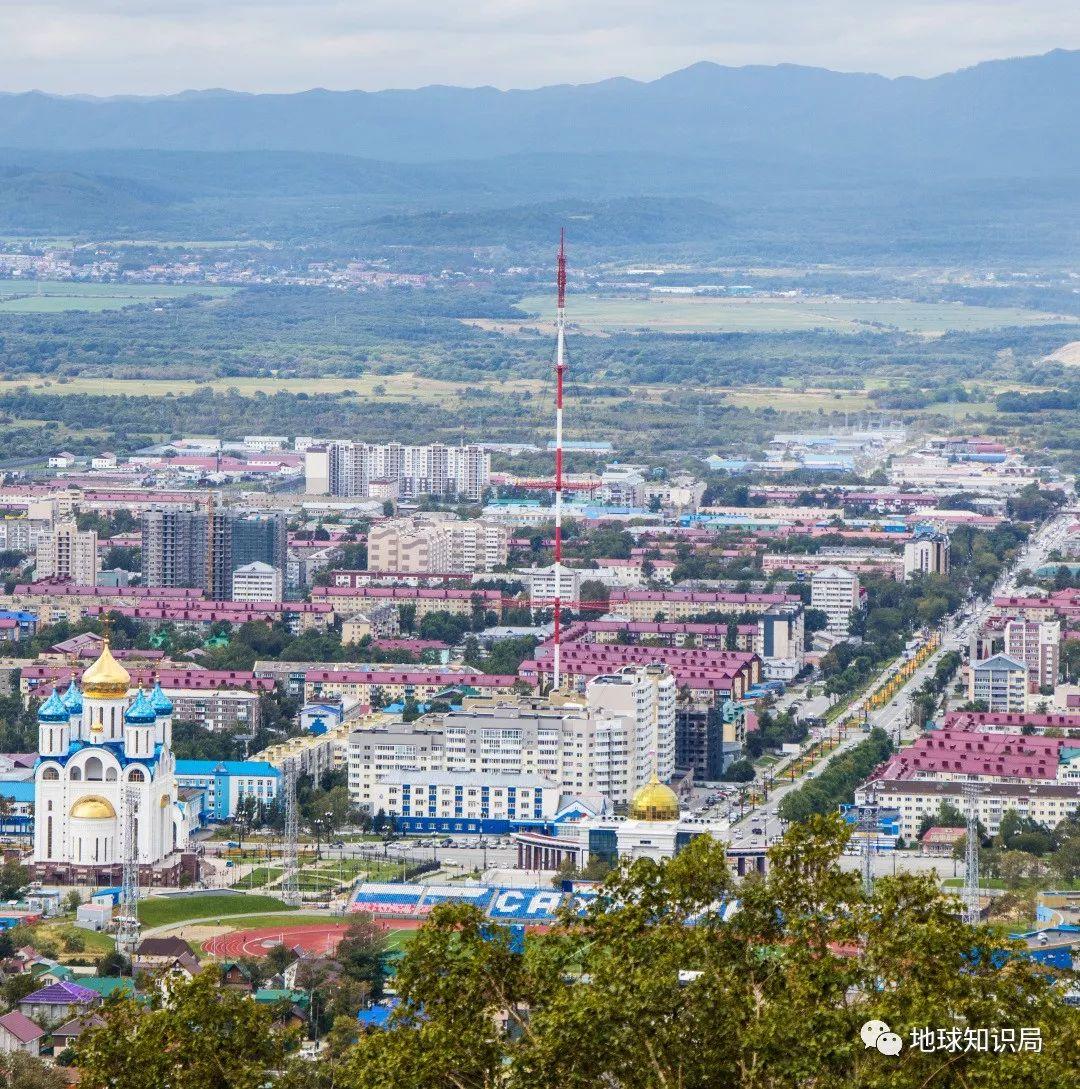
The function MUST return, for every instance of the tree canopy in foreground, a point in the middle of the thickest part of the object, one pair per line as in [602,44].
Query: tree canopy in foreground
[781,990]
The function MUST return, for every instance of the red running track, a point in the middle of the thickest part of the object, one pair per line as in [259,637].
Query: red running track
[321,938]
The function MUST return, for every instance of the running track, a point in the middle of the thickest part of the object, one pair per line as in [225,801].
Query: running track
[319,938]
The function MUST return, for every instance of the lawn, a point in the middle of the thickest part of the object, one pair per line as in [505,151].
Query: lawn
[56,296]
[162,910]
[94,943]
[697,314]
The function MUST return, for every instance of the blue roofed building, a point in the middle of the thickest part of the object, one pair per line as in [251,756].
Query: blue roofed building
[225,782]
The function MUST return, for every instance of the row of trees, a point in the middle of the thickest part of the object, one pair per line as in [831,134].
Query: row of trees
[650,987]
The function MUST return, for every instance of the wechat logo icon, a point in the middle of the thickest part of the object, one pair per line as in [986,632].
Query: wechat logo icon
[878,1034]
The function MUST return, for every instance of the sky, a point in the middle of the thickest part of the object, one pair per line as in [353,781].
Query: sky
[106,47]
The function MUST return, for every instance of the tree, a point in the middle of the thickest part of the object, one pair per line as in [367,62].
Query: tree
[361,952]
[740,771]
[21,1071]
[199,1036]
[247,813]
[779,1001]
[13,879]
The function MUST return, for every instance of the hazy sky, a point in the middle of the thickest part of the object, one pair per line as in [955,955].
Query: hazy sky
[156,46]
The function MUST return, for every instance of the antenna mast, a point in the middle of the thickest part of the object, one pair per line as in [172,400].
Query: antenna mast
[290,882]
[127,923]
[560,368]
[971,856]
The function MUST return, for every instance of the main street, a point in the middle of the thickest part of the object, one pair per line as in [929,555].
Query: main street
[761,825]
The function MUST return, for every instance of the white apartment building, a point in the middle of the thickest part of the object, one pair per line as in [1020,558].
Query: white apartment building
[543,584]
[348,468]
[1047,803]
[24,534]
[780,642]
[1001,682]
[608,742]
[1036,643]
[927,554]
[257,581]
[432,544]
[68,553]
[648,696]
[837,593]
[462,797]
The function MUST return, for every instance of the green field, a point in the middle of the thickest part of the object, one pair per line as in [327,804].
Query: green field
[700,314]
[56,296]
[162,910]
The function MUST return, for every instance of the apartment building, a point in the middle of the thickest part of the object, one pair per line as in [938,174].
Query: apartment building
[607,741]
[927,554]
[837,592]
[495,804]
[393,470]
[68,553]
[1036,643]
[1000,682]
[780,642]
[432,544]
[257,582]
[1049,803]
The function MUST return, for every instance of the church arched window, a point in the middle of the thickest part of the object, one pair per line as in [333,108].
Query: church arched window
[136,775]
[51,774]
[110,775]
[94,768]
[75,774]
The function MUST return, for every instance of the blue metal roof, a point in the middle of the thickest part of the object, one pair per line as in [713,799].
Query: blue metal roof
[141,711]
[225,767]
[20,790]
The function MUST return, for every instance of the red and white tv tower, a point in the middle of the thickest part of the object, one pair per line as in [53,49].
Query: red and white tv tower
[560,368]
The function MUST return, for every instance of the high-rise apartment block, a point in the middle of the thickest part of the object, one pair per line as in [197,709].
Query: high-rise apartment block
[437,544]
[192,548]
[926,554]
[393,470]
[837,592]
[610,741]
[1036,643]
[68,553]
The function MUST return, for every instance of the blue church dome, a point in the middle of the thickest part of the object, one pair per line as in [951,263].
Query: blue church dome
[73,699]
[53,709]
[141,712]
[159,701]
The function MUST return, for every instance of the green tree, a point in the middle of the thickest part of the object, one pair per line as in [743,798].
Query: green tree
[21,1071]
[362,951]
[199,1036]
[776,1000]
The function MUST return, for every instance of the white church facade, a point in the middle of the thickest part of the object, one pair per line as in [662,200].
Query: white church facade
[105,782]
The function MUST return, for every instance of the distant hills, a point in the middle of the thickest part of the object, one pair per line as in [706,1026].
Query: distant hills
[1014,115]
[767,161]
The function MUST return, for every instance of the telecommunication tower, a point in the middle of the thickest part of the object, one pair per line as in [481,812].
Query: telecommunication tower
[290,881]
[560,369]
[127,922]
[971,855]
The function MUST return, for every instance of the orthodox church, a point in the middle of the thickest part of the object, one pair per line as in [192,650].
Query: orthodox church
[105,775]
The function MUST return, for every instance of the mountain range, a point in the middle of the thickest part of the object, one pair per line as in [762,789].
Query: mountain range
[982,153]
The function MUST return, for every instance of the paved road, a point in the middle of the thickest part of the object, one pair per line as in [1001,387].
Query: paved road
[893,717]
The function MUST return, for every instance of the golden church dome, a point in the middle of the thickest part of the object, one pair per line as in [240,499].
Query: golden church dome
[106,679]
[654,802]
[93,808]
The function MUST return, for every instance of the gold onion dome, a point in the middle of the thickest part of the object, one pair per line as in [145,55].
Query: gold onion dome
[93,809]
[106,679]
[654,802]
